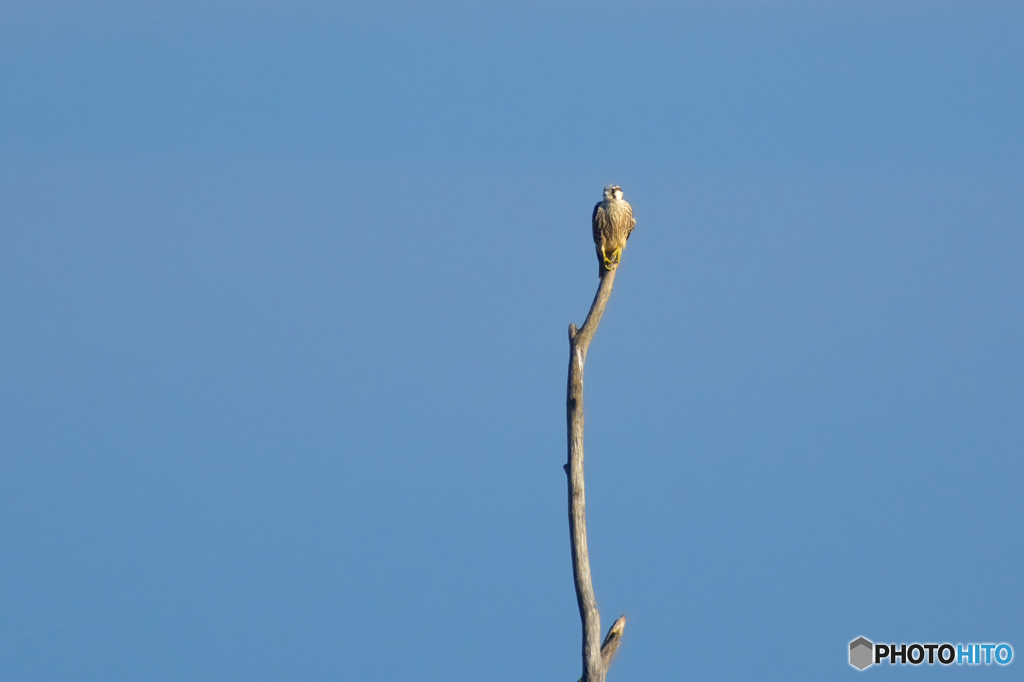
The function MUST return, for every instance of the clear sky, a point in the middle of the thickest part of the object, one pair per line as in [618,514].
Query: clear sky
[284,290]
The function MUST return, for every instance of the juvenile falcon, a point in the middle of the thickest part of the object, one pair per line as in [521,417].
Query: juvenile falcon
[613,221]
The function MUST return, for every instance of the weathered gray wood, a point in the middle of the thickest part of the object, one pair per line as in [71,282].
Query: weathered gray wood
[596,657]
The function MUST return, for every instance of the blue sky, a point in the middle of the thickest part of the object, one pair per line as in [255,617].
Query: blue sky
[285,290]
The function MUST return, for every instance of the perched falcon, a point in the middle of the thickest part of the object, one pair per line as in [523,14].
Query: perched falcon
[613,221]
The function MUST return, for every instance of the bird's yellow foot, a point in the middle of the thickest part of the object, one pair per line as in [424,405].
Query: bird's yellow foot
[610,262]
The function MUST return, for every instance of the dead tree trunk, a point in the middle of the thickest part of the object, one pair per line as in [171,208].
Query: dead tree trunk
[597,656]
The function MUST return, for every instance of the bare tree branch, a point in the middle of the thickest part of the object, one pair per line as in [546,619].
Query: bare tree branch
[596,658]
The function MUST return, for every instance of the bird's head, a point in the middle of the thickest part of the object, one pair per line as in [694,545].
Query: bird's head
[613,192]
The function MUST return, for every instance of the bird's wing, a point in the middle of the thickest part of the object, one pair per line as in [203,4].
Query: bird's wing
[596,220]
[631,221]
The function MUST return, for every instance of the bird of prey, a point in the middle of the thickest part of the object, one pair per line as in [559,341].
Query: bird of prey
[613,221]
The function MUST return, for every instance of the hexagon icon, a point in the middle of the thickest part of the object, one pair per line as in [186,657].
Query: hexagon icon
[861,653]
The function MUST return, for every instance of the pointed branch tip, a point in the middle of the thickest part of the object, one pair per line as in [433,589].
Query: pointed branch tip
[572,331]
[612,640]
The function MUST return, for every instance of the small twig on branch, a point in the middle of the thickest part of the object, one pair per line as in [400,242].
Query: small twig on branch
[597,656]
[612,640]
